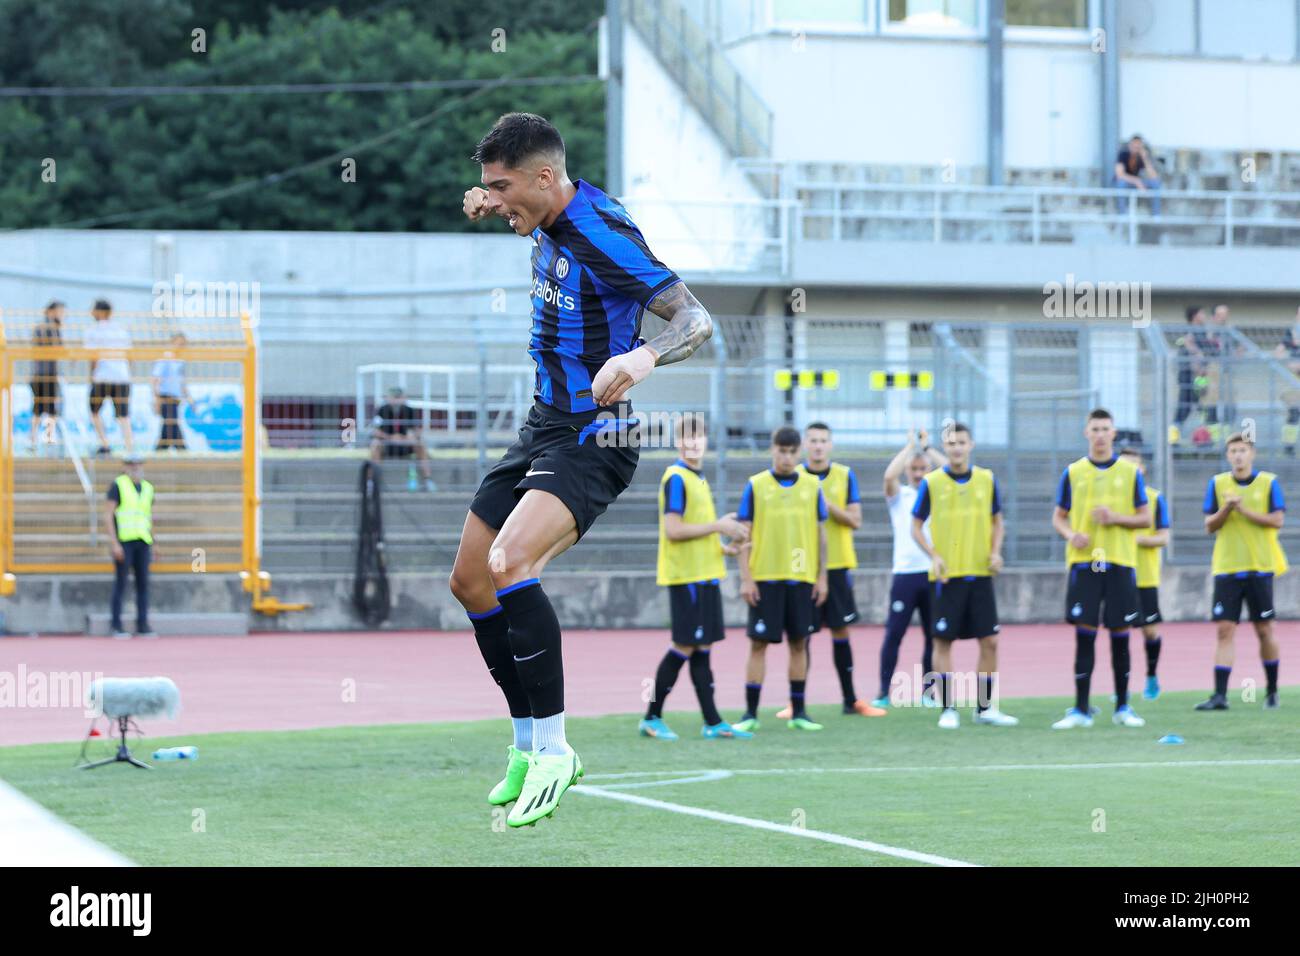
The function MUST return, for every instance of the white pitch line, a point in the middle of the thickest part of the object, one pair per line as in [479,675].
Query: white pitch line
[693,775]
[30,835]
[772,827]
[703,776]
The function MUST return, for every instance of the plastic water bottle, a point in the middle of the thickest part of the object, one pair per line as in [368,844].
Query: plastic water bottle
[177,753]
[412,479]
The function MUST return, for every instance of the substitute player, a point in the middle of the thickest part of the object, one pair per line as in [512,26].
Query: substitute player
[594,279]
[691,566]
[1244,511]
[782,571]
[965,551]
[909,588]
[1150,541]
[1101,505]
[844,508]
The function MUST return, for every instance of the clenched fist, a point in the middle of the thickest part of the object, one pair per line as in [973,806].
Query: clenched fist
[475,204]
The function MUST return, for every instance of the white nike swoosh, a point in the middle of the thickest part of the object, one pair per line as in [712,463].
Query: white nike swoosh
[531,473]
[1130,617]
[531,656]
[1265,613]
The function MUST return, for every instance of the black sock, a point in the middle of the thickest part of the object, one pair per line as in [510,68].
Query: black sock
[1221,680]
[492,632]
[665,678]
[702,678]
[535,642]
[1084,659]
[796,697]
[985,693]
[1270,673]
[1119,665]
[751,699]
[1152,645]
[843,654]
[945,690]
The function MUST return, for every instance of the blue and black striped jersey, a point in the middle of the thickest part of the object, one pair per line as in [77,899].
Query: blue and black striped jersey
[593,276]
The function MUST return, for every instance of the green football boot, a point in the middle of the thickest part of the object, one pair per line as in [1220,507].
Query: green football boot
[547,780]
[516,769]
[747,724]
[803,723]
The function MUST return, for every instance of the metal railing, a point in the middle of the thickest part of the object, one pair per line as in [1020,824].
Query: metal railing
[1037,215]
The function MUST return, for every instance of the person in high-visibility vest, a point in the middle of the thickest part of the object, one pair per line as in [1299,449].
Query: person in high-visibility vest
[128,522]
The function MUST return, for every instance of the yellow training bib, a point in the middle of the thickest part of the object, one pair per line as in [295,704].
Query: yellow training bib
[839,537]
[784,537]
[1093,487]
[699,559]
[961,521]
[1241,545]
[1148,566]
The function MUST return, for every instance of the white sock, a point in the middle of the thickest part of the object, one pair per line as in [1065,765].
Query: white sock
[548,735]
[523,733]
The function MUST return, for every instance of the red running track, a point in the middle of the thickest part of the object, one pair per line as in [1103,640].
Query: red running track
[278,681]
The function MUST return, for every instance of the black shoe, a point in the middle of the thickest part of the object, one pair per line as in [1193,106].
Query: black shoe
[1216,702]
[848,709]
[1270,701]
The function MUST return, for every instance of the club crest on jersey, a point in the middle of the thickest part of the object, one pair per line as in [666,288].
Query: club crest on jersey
[561,267]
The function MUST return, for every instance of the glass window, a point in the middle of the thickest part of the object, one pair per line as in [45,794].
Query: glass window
[1267,31]
[842,13]
[935,14]
[1071,14]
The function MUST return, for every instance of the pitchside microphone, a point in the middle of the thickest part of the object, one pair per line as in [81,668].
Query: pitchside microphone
[124,698]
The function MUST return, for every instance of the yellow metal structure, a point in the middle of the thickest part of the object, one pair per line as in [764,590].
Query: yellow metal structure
[206,516]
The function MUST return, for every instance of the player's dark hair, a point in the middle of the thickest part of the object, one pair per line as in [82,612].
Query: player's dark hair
[822,425]
[517,138]
[1191,311]
[1098,413]
[102,305]
[956,427]
[690,425]
[786,437]
[1131,450]
[1237,437]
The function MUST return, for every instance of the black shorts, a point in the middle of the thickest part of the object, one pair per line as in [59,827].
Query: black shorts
[119,392]
[909,594]
[394,450]
[1108,597]
[1230,591]
[697,613]
[840,609]
[585,459]
[45,394]
[964,608]
[783,607]
[1149,598]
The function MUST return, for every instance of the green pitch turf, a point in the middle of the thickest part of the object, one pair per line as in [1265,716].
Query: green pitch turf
[416,794]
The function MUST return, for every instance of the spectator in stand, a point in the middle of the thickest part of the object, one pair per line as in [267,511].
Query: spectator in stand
[45,376]
[1135,169]
[1221,320]
[1190,365]
[1289,351]
[397,434]
[169,390]
[110,375]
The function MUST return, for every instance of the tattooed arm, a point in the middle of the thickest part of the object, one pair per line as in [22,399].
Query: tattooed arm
[689,327]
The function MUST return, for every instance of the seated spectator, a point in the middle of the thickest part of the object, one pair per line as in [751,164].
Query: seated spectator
[1289,351]
[397,434]
[1135,169]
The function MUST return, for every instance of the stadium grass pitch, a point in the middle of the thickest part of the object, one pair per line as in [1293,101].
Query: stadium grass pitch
[415,794]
